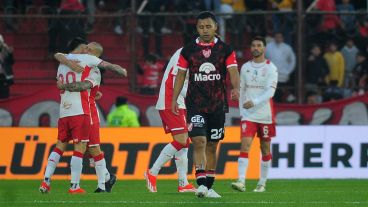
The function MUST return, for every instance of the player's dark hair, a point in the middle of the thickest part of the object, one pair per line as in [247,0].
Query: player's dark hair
[205,15]
[121,100]
[259,38]
[151,58]
[74,43]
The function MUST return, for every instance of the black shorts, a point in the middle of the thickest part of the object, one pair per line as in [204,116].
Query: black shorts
[210,125]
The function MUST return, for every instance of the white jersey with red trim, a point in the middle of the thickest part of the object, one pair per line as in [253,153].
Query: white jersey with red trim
[76,103]
[258,83]
[167,85]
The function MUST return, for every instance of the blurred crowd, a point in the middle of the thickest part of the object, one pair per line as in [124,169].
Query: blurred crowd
[335,58]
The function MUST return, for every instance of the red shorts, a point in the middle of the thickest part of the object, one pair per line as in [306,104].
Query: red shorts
[174,124]
[74,128]
[263,131]
[94,135]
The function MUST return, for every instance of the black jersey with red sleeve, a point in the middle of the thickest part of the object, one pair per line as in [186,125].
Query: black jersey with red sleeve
[207,65]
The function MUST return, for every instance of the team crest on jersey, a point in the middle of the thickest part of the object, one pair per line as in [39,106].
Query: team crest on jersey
[206,53]
[263,72]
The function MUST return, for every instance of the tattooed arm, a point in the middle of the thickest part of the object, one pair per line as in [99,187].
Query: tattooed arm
[72,64]
[113,67]
[74,87]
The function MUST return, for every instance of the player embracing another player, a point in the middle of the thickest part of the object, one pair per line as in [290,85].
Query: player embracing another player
[258,81]
[207,60]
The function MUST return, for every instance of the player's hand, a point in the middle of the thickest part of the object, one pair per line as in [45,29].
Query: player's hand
[123,72]
[74,65]
[98,95]
[248,104]
[59,84]
[175,108]
[235,94]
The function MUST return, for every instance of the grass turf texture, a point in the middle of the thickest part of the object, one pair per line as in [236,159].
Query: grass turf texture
[134,193]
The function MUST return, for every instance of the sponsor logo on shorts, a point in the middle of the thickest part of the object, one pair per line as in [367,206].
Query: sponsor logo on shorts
[244,126]
[197,121]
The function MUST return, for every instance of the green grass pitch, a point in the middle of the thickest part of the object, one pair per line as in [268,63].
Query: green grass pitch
[133,193]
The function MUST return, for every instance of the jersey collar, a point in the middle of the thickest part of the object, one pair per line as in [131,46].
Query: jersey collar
[207,44]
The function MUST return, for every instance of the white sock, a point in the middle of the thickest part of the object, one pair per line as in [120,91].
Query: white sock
[242,168]
[100,167]
[265,166]
[166,154]
[181,161]
[107,175]
[92,162]
[52,162]
[76,165]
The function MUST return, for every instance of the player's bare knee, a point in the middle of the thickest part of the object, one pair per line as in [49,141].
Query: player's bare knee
[265,148]
[246,143]
[80,147]
[199,142]
[212,146]
[181,138]
[61,145]
[94,151]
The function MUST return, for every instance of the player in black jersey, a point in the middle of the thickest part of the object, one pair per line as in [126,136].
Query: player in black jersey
[208,59]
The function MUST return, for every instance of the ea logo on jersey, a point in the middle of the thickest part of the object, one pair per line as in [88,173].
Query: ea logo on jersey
[197,121]
[207,68]
[206,53]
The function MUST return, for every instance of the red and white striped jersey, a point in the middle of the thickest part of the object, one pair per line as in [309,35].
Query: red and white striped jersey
[95,78]
[258,83]
[167,85]
[76,103]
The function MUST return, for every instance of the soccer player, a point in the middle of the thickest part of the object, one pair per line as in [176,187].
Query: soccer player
[258,81]
[177,126]
[207,61]
[64,131]
[105,179]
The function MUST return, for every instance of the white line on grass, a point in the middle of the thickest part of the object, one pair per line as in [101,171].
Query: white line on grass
[187,202]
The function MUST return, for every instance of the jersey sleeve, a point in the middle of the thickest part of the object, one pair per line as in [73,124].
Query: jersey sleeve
[270,87]
[242,87]
[183,63]
[231,59]
[94,77]
[93,61]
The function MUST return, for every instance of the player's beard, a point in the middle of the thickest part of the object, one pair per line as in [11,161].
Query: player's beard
[256,53]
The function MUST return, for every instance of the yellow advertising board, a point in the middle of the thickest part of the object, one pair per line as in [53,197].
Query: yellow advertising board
[128,152]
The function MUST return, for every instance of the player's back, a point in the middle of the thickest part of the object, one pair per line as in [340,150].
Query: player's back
[76,103]
[167,85]
[255,79]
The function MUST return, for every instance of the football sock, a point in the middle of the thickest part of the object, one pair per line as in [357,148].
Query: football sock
[181,161]
[52,162]
[100,166]
[76,165]
[107,175]
[210,178]
[242,166]
[166,154]
[200,177]
[265,166]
